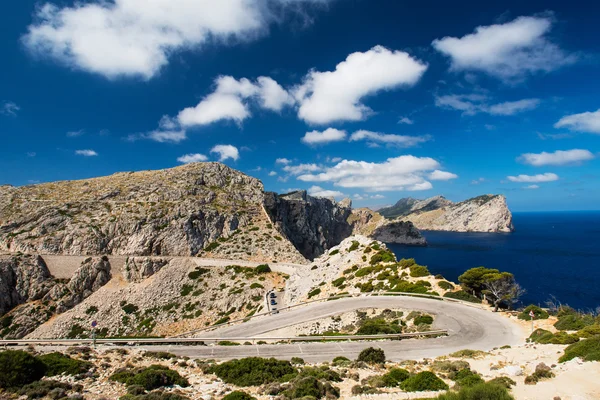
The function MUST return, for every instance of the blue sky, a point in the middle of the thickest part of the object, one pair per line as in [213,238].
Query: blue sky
[374,100]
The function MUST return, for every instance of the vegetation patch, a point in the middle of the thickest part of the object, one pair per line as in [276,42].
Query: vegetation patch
[238,395]
[445,285]
[464,296]
[586,349]
[19,368]
[153,377]
[263,269]
[58,364]
[542,371]
[423,381]
[482,391]
[417,271]
[539,313]
[543,336]
[371,355]
[253,371]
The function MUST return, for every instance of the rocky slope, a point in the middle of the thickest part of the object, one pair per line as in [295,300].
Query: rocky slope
[370,223]
[487,213]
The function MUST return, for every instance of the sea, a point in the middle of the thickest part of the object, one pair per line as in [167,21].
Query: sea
[553,255]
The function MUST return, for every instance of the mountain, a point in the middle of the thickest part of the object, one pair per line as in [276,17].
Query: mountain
[487,213]
[372,224]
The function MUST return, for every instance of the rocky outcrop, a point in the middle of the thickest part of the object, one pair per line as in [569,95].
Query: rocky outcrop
[312,224]
[22,278]
[409,205]
[137,269]
[91,276]
[487,213]
[370,223]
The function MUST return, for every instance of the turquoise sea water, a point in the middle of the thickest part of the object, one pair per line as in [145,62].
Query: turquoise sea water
[551,254]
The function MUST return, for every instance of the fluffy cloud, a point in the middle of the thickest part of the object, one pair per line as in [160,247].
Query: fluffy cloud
[559,157]
[405,120]
[471,104]
[508,51]
[136,37]
[438,175]
[585,122]
[327,136]
[272,173]
[226,151]
[318,191]
[388,139]
[86,153]
[530,187]
[230,101]
[326,97]
[301,169]
[547,177]
[192,158]
[78,133]
[399,173]
[283,161]
[367,197]
[9,108]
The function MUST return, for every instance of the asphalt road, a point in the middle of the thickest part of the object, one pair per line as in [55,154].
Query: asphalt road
[468,327]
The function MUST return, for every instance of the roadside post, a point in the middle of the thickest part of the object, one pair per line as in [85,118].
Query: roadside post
[532,315]
[94,324]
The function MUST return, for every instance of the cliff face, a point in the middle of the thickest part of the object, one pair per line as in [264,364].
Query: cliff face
[371,224]
[409,205]
[488,213]
[312,224]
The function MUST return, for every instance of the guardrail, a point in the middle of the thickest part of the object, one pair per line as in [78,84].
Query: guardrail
[345,296]
[158,341]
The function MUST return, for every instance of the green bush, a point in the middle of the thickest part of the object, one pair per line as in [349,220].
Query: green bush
[310,387]
[314,292]
[198,272]
[129,308]
[482,391]
[321,373]
[445,285]
[468,353]
[253,371]
[58,364]
[334,252]
[353,246]
[503,381]
[155,395]
[462,295]
[378,326]
[573,322]
[542,371]
[160,355]
[150,378]
[589,331]
[543,336]
[423,381]
[417,271]
[364,272]
[297,361]
[238,395]
[256,285]
[382,256]
[406,263]
[586,349]
[18,368]
[212,246]
[371,355]
[263,269]
[395,376]
[539,313]
[338,282]
[340,361]
[466,377]
[423,319]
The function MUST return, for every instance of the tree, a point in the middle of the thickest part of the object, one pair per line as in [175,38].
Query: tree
[502,288]
[474,280]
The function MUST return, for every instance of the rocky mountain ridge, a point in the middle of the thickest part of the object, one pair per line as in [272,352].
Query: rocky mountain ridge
[486,213]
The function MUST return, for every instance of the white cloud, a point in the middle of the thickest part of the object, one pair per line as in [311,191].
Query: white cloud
[226,151]
[166,136]
[477,181]
[272,173]
[301,168]
[137,37]
[406,120]
[438,175]
[75,133]
[367,197]
[585,122]
[532,187]
[192,158]
[326,97]
[559,157]
[318,191]
[86,153]
[471,104]
[327,136]
[231,101]
[508,51]
[547,177]
[334,159]
[399,173]
[283,161]
[9,108]
[389,139]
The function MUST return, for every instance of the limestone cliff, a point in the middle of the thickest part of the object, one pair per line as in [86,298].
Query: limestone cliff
[371,224]
[487,213]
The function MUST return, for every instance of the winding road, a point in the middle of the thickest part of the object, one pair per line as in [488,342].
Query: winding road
[468,328]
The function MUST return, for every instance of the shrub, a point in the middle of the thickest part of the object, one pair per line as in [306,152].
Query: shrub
[449,369]
[466,377]
[503,381]
[212,246]
[198,272]
[417,271]
[482,391]
[44,389]
[445,285]
[371,355]
[542,371]
[334,252]
[468,353]
[222,321]
[18,368]
[314,292]
[253,371]
[407,263]
[586,349]
[338,282]
[160,355]
[423,319]
[378,326]
[155,395]
[150,378]
[297,360]
[395,376]
[321,373]
[543,336]
[227,343]
[573,322]
[58,364]
[129,308]
[462,295]
[423,381]
[589,331]
[354,246]
[238,395]
[341,361]
[256,285]
[364,272]
[263,269]
[382,256]
[537,311]
[310,387]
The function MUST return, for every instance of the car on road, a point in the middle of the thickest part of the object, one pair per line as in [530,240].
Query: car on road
[272,295]
[273,302]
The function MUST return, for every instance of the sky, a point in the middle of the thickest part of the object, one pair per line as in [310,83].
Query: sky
[375,100]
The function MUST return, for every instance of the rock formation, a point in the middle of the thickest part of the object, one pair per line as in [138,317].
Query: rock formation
[370,223]
[487,213]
